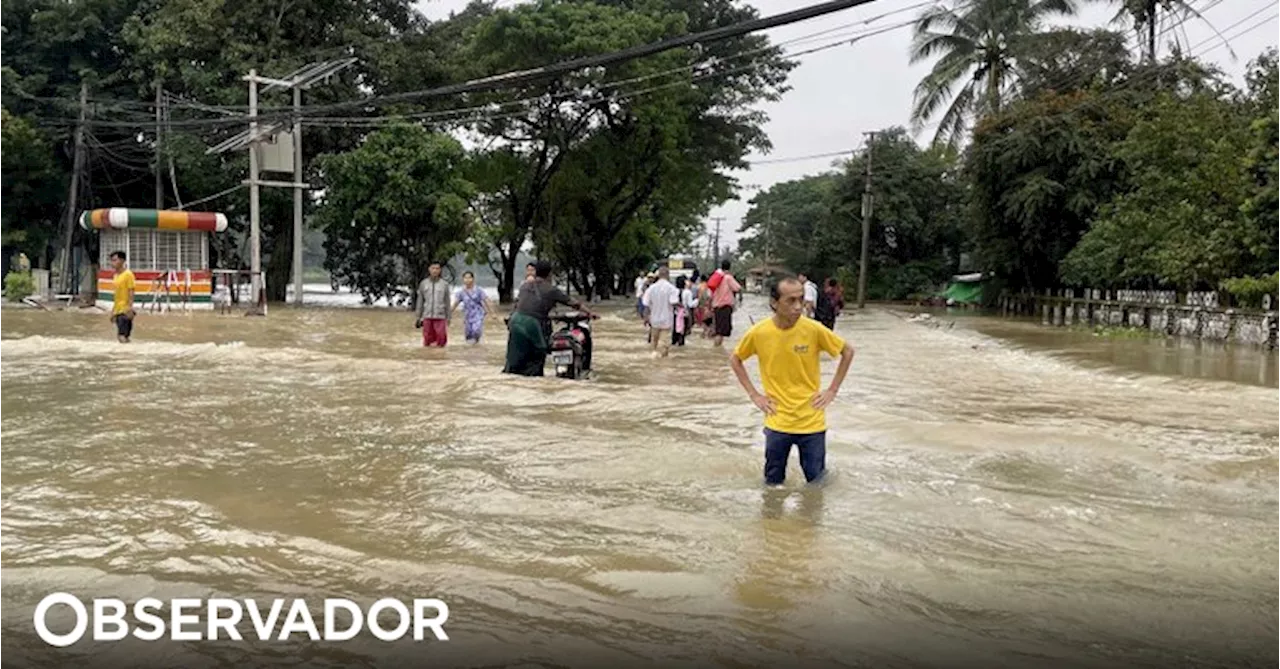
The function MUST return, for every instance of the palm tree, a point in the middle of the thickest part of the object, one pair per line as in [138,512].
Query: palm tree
[980,43]
[1146,15]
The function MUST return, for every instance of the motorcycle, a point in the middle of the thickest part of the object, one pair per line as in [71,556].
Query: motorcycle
[571,345]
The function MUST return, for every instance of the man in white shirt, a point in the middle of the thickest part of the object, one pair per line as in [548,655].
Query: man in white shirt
[660,301]
[640,295]
[810,294]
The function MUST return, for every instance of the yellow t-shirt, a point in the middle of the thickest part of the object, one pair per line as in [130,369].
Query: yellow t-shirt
[789,370]
[121,284]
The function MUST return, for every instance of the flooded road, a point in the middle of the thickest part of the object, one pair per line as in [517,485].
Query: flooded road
[990,504]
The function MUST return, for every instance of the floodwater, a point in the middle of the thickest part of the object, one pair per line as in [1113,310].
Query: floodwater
[991,503]
[1171,356]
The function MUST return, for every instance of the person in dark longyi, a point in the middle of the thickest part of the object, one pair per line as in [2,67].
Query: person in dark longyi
[530,324]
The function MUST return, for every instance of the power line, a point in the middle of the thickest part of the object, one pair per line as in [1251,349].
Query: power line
[519,77]
[477,116]
[478,113]
[563,67]
[234,109]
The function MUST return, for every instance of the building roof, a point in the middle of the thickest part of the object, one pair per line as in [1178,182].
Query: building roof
[120,218]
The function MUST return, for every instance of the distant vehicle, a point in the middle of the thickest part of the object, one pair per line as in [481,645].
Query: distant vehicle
[679,265]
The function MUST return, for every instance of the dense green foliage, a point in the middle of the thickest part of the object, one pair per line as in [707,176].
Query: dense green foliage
[18,286]
[396,204]
[1101,173]
[33,188]
[815,224]
[604,170]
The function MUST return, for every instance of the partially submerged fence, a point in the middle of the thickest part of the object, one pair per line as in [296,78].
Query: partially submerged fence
[1195,315]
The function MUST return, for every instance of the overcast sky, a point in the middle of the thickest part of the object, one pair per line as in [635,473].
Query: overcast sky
[840,93]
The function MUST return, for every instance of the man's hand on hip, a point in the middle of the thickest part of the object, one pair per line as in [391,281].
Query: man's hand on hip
[765,404]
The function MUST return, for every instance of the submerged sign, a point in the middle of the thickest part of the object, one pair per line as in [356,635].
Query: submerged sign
[277,619]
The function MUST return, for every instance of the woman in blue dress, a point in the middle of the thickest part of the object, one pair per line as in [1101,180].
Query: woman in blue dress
[475,307]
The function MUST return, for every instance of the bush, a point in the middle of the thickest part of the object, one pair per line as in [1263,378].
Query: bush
[18,286]
[1247,291]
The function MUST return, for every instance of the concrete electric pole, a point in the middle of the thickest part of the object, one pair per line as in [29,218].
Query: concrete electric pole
[159,145]
[278,160]
[866,225]
[297,195]
[68,229]
[255,223]
[716,253]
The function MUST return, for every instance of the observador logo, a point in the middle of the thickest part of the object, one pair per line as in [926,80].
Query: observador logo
[216,619]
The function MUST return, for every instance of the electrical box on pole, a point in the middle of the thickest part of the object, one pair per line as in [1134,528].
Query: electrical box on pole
[275,153]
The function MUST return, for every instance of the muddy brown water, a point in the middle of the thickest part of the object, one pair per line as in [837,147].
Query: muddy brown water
[994,500]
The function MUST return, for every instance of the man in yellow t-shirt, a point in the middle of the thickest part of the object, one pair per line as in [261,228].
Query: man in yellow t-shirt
[788,346]
[122,312]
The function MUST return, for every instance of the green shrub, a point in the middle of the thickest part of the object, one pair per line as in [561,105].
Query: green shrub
[1247,291]
[18,286]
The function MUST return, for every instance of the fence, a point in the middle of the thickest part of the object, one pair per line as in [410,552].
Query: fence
[1195,315]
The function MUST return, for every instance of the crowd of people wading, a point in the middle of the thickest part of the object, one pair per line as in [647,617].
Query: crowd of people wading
[670,311]
[787,345]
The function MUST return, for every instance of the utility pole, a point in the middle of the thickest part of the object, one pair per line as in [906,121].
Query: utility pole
[159,135]
[717,219]
[68,229]
[274,161]
[768,236]
[297,195]
[255,230]
[866,225]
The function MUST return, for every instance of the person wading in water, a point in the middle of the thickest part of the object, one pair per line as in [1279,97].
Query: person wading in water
[661,299]
[475,307]
[724,296]
[434,314]
[530,323]
[830,303]
[788,346]
[122,289]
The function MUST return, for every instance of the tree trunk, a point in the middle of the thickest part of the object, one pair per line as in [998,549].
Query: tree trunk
[603,275]
[582,273]
[278,264]
[506,282]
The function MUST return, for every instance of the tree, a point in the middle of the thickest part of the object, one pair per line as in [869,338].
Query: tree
[392,207]
[33,189]
[785,222]
[200,50]
[52,48]
[1037,174]
[1177,223]
[1262,83]
[1074,60]
[541,121]
[979,45]
[916,225]
[814,224]
[1145,16]
[646,140]
[640,166]
[1262,206]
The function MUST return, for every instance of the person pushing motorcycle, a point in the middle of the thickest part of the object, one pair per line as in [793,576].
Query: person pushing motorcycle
[530,324]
